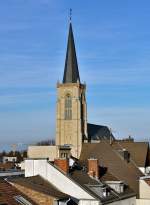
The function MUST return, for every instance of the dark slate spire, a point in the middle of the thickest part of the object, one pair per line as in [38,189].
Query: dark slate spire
[71,72]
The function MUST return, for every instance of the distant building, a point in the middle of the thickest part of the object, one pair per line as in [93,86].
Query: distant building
[9,159]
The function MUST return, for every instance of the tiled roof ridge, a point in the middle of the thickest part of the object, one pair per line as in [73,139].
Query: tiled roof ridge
[132,147]
[126,164]
[115,164]
[133,162]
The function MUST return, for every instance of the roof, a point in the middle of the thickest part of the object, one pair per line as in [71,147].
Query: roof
[71,72]
[108,177]
[83,179]
[80,177]
[138,150]
[98,132]
[7,166]
[8,192]
[39,184]
[111,159]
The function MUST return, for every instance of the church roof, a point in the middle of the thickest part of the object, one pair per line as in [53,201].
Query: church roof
[71,72]
[99,132]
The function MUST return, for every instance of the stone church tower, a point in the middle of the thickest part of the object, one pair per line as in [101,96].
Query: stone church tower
[71,117]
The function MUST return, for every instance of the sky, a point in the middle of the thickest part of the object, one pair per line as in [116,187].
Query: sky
[113,47]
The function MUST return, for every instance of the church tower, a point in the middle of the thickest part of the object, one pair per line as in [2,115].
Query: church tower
[71,117]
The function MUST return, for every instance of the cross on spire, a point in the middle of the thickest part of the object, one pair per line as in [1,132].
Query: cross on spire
[70,15]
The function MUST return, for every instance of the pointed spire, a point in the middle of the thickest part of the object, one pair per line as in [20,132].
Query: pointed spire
[71,72]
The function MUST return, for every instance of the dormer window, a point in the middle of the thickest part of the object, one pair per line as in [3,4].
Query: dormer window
[68,107]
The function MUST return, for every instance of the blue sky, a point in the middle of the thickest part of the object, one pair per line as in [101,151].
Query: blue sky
[113,48]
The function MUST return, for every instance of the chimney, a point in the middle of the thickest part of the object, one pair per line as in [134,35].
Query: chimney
[93,168]
[62,164]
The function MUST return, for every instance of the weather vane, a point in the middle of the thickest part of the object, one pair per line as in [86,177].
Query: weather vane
[70,15]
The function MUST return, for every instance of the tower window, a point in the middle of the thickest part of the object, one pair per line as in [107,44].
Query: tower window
[68,107]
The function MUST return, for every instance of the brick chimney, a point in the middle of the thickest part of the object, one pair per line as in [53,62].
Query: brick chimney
[62,164]
[93,168]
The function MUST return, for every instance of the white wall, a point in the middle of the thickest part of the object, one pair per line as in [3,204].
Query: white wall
[130,201]
[55,177]
[40,152]
[89,202]
[22,165]
[142,202]
[144,190]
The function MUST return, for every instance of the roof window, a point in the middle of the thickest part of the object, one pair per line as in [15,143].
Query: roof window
[22,200]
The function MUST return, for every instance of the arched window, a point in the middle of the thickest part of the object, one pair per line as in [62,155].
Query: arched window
[68,107]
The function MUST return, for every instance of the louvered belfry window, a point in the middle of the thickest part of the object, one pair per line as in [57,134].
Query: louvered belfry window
[68,107]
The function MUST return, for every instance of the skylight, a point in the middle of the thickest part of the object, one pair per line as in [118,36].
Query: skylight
[22,200]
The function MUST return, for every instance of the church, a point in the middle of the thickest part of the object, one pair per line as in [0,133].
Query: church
[71,116]
[72,127]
